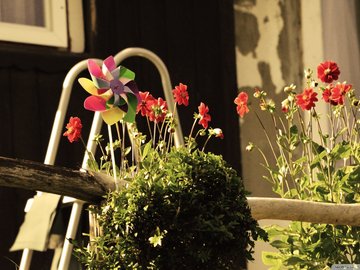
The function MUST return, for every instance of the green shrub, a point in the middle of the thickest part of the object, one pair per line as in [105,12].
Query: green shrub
[185,210]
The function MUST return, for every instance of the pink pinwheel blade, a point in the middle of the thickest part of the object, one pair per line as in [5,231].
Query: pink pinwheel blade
[94,69]
[94,103]
[110,63]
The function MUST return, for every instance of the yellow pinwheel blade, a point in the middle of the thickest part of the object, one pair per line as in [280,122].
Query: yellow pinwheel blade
[112,115]
[89,86]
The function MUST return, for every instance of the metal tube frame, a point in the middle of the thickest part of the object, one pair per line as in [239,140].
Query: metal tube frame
[91,146]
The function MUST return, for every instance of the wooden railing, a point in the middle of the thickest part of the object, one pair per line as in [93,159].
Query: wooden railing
[92,187]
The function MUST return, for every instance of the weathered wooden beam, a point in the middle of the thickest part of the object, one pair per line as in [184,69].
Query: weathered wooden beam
[52,179]
[92,187]
[314,212]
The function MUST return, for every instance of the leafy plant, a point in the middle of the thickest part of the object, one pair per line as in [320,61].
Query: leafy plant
[314,157]
[184,210]
[180,207]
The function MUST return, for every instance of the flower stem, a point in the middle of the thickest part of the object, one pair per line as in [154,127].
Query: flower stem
[207,140]
[266,135]
[90,156]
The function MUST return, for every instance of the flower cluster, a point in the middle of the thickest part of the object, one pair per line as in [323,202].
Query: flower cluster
[312,161]
[331,93]
[115,95]
[169,202]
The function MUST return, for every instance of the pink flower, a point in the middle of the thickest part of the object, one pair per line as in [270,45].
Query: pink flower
[181,94]
[241,102]
[74,127]
[144,106]
[205,118]
[306,100]
[328,71]
[159,110]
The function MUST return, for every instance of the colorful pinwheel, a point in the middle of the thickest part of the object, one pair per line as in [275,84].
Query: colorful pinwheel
[113,91]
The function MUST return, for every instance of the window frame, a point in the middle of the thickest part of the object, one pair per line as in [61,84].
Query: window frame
[62,29]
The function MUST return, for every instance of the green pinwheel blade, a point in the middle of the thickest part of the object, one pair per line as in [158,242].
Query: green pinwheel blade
[132,104]
[100,83]
[127,73]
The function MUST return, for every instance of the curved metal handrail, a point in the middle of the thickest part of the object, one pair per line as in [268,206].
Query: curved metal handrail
[58,125]
[165,80]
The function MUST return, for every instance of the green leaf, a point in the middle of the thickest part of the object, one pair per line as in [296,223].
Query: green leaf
[146,149]
[317,148]
[127,150]
[293,260]
[274,230]
[294,130]
[300,160]
[354,176]
[318,158]
[279,244]
[272,259]
[341,150]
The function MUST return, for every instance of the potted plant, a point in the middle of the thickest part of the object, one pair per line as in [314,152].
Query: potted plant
[174,207]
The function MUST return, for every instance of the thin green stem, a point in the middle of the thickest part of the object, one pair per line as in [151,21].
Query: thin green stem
[90,156]
[266,135]
[207,140]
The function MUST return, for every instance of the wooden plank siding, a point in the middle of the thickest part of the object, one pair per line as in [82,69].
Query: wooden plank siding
[195,40]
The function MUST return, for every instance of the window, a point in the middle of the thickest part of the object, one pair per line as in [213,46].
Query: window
[43,22]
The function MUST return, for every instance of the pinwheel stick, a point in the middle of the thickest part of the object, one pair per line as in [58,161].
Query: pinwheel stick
[112,155]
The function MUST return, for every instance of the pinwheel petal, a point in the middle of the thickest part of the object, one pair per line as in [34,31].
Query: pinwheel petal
[131,87]
[94,69]
[112,115]
[94,103]
[116,73]
[107,68]
[131,112]
[100,83]
[126,73]
[109,63]
[89,86]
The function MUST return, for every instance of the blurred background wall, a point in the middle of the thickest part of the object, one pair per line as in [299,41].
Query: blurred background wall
[275,41]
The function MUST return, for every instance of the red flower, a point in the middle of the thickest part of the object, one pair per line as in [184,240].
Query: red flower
[328,71]
[326,94]
[306,100]
[181,94]
[145,105]
[205,118]
[241,102]
[158,111]
[338,93]
[73,129]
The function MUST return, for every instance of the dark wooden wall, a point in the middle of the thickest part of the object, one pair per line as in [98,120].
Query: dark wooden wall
[195,39]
